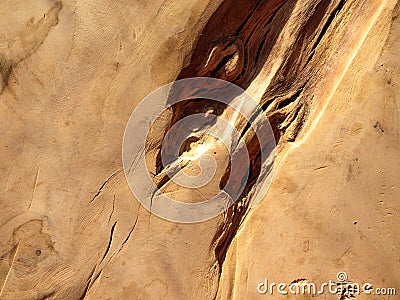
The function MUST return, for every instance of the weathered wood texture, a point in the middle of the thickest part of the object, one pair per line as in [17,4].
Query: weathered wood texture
[326,73]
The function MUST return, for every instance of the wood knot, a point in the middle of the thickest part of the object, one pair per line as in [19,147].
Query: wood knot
[225,60]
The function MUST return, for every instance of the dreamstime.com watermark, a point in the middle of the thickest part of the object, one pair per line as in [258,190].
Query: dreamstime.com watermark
[341,286]
[141,135]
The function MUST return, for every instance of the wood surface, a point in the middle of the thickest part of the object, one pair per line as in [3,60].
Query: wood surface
[326,74]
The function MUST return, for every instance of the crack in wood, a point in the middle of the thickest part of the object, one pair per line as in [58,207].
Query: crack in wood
[109,242]
[103,185]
